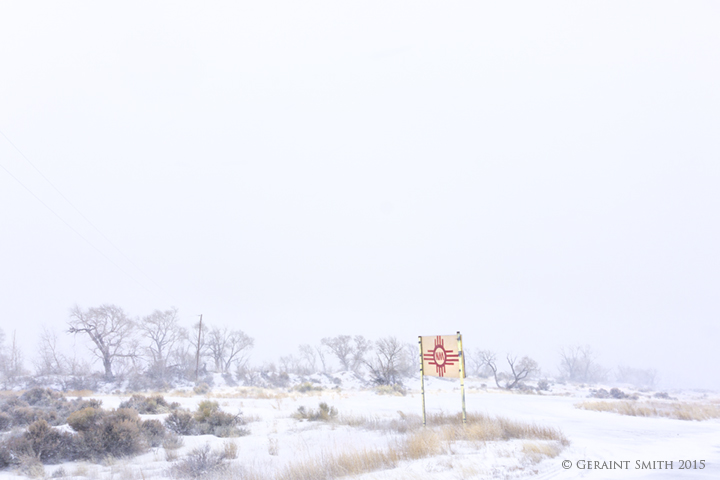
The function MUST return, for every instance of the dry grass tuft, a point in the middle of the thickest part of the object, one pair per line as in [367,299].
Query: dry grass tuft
[535,452]
[333,465]
[403,424]
[676,410]
[252,392]
[79,393]
[420,444]
[479,428]
[484,428]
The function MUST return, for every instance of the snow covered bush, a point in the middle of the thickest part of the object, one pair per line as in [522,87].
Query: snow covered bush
[149,405]
[208,419]
[180,422]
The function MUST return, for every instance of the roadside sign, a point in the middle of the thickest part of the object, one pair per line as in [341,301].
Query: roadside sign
[442,356]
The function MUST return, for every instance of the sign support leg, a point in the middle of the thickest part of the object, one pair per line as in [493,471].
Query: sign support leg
[422,379]
[462,376]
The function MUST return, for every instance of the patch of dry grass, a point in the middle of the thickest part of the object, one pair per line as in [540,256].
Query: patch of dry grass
[252,392]
[340,464]
[418,442]
[484,428]
[79,393]
[676,410]
[535,452]
[479,427]
[402,424]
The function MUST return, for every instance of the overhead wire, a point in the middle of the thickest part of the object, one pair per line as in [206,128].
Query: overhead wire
[71,227]
[81,214]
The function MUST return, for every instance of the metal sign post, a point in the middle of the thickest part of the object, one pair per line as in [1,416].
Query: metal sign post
[422,379]
[462,375]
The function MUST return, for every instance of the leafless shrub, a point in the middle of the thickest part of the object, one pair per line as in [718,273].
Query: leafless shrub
[324,413]
[149,405]
[200,462]
[180,422]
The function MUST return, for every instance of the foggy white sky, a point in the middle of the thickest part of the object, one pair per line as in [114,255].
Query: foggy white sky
[533,175]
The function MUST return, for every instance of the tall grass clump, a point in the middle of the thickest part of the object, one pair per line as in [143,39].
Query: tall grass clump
[676,410]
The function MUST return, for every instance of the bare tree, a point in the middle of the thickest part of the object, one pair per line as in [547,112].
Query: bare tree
[519,370]
[341,347]
[50,361]
[289,364]
[321,356]
[239,345]
[487,359]
[350,351]
[110,330]
[361,348]
[11,361]
[309,358]
[476,364]
[578,364]
[391,362]
[226,346]
[216,344]
[162,332]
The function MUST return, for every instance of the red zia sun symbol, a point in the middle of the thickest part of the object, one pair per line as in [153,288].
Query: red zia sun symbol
[440,357]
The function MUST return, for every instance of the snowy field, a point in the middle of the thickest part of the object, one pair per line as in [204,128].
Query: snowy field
[281,445]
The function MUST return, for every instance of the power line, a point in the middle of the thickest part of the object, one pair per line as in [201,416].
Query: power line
[71,227]
[79,212]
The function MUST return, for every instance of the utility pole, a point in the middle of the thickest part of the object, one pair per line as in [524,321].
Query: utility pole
[197,354]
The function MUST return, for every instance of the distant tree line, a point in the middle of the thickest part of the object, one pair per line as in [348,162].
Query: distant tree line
[156,350]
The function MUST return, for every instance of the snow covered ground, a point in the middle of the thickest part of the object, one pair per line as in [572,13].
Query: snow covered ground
[278,441]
